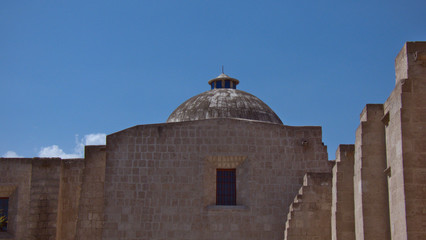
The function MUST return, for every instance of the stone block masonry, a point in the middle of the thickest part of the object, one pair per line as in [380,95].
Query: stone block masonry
[309,214]
[15,184]
[159,181]
[370,187]
[405,121]
[45,179]
[389,167]
[69,198]
[92,198]
[161,178]
[33,190]
[342,210]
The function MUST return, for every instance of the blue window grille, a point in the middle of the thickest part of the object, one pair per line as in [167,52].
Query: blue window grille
[4,207]
[226,189]
[218,84]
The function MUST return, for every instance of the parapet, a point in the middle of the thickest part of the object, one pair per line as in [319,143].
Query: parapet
[372,112]
[411,61]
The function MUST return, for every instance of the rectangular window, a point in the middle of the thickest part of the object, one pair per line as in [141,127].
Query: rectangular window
[4,207]
[226,189]
[227,84]
[218,84]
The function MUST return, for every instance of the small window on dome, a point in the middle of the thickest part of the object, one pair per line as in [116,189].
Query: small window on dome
[212,85]
[234,86]
[227,84]
[219,84]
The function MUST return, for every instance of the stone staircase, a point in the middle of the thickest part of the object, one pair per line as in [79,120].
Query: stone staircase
[310,213]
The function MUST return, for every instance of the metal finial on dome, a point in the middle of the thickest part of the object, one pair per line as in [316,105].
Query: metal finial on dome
[223,81]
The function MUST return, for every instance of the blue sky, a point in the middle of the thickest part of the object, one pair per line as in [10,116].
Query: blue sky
[72,71]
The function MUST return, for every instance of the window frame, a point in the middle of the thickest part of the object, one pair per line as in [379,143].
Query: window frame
[226,186]
[6,213]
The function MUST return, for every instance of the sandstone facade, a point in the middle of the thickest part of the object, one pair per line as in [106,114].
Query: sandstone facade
[159,181]
[388,197]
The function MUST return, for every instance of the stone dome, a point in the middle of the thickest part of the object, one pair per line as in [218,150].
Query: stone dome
[224,102]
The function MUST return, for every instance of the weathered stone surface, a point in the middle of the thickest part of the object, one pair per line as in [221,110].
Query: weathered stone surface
[224,103]
[159,181]
[15,183]
[309,214]
[44,196]
[92,198]
[342,210]
[161,178]
[370,188]
[405,144]
[69,198]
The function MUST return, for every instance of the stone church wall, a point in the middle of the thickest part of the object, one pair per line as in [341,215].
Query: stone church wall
[48,197]
[160,179]
[389,167]
[44,197]
[342,208]
[405,120]
[15,184]
[370,187]
[310,213]
[69,198]
[32,186]
[92,200]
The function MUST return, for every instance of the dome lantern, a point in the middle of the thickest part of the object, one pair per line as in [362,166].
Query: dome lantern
[223,81]
[224,101]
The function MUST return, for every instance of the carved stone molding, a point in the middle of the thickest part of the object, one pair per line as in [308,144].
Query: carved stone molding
[226,161]
[7,190]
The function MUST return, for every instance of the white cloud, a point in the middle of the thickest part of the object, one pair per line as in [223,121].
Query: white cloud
[11,154]
[55,151]
[90,139]
[95,139]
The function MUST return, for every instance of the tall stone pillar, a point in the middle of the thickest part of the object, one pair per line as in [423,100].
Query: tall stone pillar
[91,209]
[342,208]
[405,121]
[370,187]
